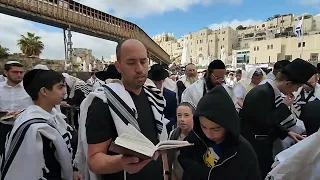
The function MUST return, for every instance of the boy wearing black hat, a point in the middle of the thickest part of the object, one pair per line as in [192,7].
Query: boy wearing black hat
[215,76]
[39,144]
[264,110]
[277,68]
[219,151]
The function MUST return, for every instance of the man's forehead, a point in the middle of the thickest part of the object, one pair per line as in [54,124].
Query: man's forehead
[191,67]
[16,68]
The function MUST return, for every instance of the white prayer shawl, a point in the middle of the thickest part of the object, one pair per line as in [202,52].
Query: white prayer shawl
[299,162]
[170,84]
[75,84]
[91,81]
[26,147]
[116,85]
[246,81]
[183,79]
[98,84]
[194,92]
[269,78]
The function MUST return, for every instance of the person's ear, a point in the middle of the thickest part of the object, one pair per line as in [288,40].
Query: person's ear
[117,64]
[43,91]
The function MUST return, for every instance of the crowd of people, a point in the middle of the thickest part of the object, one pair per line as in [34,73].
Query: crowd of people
[245,125]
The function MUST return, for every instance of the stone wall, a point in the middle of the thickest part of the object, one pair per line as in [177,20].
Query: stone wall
[57,65]
[30,62]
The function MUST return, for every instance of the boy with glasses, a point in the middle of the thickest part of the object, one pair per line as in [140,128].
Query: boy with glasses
[215,76]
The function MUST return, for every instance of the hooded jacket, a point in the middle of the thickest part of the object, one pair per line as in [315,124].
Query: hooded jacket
[237,158]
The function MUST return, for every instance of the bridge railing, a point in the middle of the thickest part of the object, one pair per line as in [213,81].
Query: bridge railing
[83,16]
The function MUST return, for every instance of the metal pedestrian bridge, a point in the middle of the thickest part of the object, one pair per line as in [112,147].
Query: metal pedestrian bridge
[82,19]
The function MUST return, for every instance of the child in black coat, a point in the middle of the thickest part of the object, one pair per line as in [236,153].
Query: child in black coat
[219,151]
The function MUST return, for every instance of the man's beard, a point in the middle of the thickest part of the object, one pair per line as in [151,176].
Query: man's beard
[192,79]
[14,80]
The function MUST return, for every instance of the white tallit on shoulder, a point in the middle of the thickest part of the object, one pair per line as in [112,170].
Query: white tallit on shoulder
[301,161]
[107,94]
[24,158]
[194,92]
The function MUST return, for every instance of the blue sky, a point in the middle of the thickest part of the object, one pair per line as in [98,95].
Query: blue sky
[198,16]
[157,16]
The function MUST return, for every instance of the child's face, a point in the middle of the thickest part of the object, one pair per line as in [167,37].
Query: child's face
[184,117]
[212,130]
[57,93]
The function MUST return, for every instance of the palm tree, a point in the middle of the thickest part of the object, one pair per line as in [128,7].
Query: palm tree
[3,52]
[30,45]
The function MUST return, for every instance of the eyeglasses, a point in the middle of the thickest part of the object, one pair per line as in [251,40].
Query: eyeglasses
[218,78]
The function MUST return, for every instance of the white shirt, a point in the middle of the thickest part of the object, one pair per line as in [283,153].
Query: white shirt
[240,91]
[13,98]
[2,78]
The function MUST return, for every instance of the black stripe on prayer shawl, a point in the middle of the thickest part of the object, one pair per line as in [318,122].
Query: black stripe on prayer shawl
[289,123]
[155,90]
[67,138]
[119,108]
[120,100]
[159,125]
[16,142]
[158,98]
[118,112]
[152,104]
[278,100]
[151,93]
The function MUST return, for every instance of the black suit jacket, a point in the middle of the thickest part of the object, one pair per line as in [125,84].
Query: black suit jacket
[260,115]
[311,117]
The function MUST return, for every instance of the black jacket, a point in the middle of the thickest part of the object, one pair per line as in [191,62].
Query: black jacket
[237,161]
[259,114]
[310,116]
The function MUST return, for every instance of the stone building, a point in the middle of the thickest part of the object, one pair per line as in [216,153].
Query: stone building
[265,42]
[206,43]
[29,63]
[83,60]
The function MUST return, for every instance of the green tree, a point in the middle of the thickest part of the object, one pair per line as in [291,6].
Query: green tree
[240,27]
[30,45]
[3,52]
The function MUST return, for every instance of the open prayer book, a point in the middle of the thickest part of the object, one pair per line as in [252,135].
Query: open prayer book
[133,143]
[4,116]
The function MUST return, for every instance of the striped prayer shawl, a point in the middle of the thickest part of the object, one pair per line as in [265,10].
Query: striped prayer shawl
[290,121]
[124,112]
[302,98]
[24,151]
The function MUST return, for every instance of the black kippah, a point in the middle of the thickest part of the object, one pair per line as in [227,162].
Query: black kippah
[30,76]
[217,64]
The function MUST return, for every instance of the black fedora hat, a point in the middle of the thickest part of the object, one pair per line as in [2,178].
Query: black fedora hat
[300,71]
[157,73]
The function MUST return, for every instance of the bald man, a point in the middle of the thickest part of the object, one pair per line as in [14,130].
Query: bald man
[143,105]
